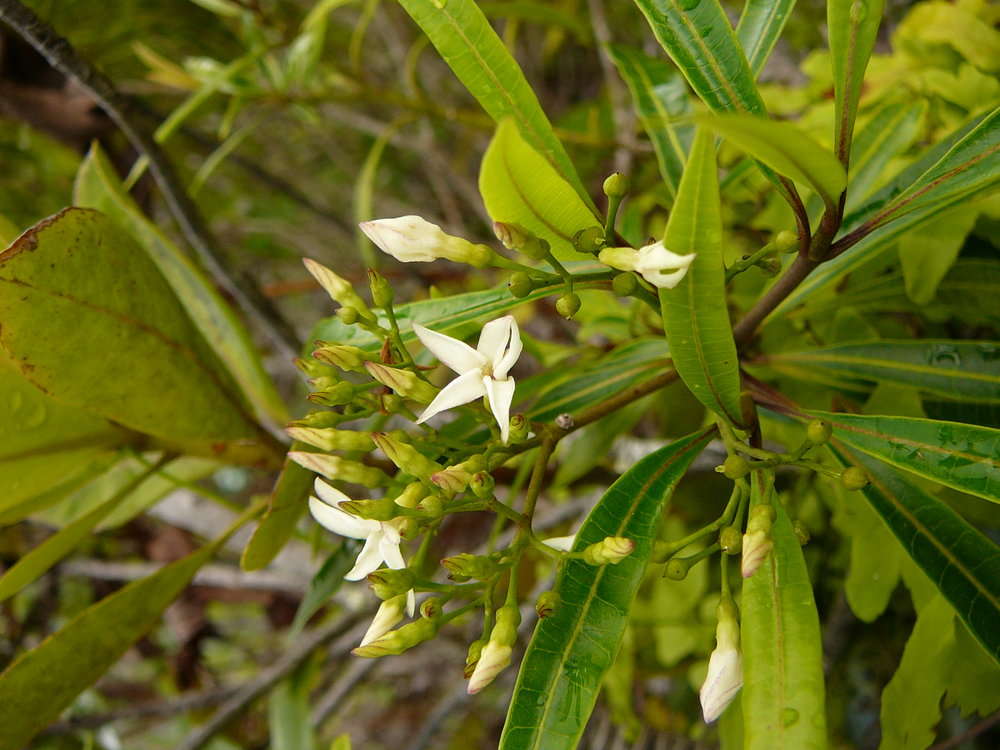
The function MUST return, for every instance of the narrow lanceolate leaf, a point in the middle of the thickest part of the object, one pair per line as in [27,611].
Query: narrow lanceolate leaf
[571,651]
[97,186]
[471,48]
[962,456]
[782,650]
[659,95]
[42,682]
[88,319]
[962,562]
[966,370]
[759,27]
[520,187]
[695,317]
[784,148]
[853,27]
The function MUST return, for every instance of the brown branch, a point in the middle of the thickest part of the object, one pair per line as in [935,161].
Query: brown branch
[61,55]
[969,733]
[800,268]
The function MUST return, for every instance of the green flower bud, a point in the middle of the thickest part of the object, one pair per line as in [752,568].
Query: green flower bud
[677,569]
[337,394]
[452,480]
[432,505]
[400,640]
[568,305]
[405,456]
[625,283]
[520,284]
[589,240]
[482,484]
[519,428]
[854,478]
[339,289]
[347,358]
[786,242]
[616,185]
[343,469]
[319,419]
[404,382]
[412,494]
[387,583]
[391,403]
[310,367]
[757,542]
[382,509]
[611,549]
[381,291]
[432,608]
[472,657]
[464,566]
[731,540]
[734,467]
[348,315]
[818,432]
[331,439]
[517,238]
[408,527]
[546,604]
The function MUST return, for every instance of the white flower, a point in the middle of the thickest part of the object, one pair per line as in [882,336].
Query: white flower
[725,671]
[413,238]
[657,265]
[561,543]
[389,613]
[481,371]
[381,538]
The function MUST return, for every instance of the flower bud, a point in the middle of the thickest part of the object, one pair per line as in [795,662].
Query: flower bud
[332,439]
[405,456]
[452,480]
[786,242]
[482,484]
[404,382]
[472,657]
[725,668]
[611,549]
[854,478]
[330,393]
[319,420]
[343,469]
[520,284]
[347,358]
[677,569]
[382,509]
[546,604]
[517,238]
[432,608]
[339,289]
[348,315]
[757,542]
[519,428]
[731,540]
[463,567]
[495,656]
[734,467]
[412,238]
[624,284]
[388,614]
[659,266]
[818,432]
[412,494]
[407,526]
[400,640]
[380,289]
[589,240]
[388,583]
[616,185]
[432,505]
[568,305]
[310,367]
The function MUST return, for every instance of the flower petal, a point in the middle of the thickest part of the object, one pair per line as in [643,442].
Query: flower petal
[391,554]
[500,342]
[500,394]
[456,354]
[461,390]
[328,493]
[369,560]
[406,238]
[411,602]
[723,682]
[662,280]
[561,543]
[339,522]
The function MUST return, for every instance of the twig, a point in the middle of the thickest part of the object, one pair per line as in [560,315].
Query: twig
[785,285]
[215,575]
[969,733]
[61,55]
[337,693]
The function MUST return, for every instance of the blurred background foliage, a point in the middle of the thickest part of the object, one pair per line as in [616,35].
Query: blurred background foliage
[292,120]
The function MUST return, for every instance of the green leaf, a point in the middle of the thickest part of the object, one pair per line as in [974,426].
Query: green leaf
[520,187]
[571,651]
[288,711]
[659,95]
[961,456]
[39,684]
[696,324]
[911,702]
[961,562]
[88,319]
[285,508]
[471,48]
[928,252]
[323,586]
[968,370]
[759,27]
[783,688]
[784,148]
[97,186]
[853,28]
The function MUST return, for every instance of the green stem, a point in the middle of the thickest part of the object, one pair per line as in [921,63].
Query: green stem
[609,223]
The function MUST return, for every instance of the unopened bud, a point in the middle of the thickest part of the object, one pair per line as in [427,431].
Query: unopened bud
[319,420]
[310,367]
[568,305]
[725,668]
[734,467]
[389,613]
[786,242]
[412,494]
[348,315]
[517,238]
[432,505]
[625,283]
[412,238]
[382,509]
[339,289]
[388,583]
[546,604]
[482,484]
[520,284]
[343,469]
[495,656]
[472,657]
[347,358]
[757,542]
[405,456]
[519,428]
[456,478]
[616,185]
[332,439]
[589,240]
[400,640]
[854,478]
[463,567]
[731,540]
[677,569]
[611,549]
[380,288]
[432,608]
[404,382]
[818,432]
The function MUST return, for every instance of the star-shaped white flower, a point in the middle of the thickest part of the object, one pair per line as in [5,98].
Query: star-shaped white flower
[659,266]
[481,371]
[381,538]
